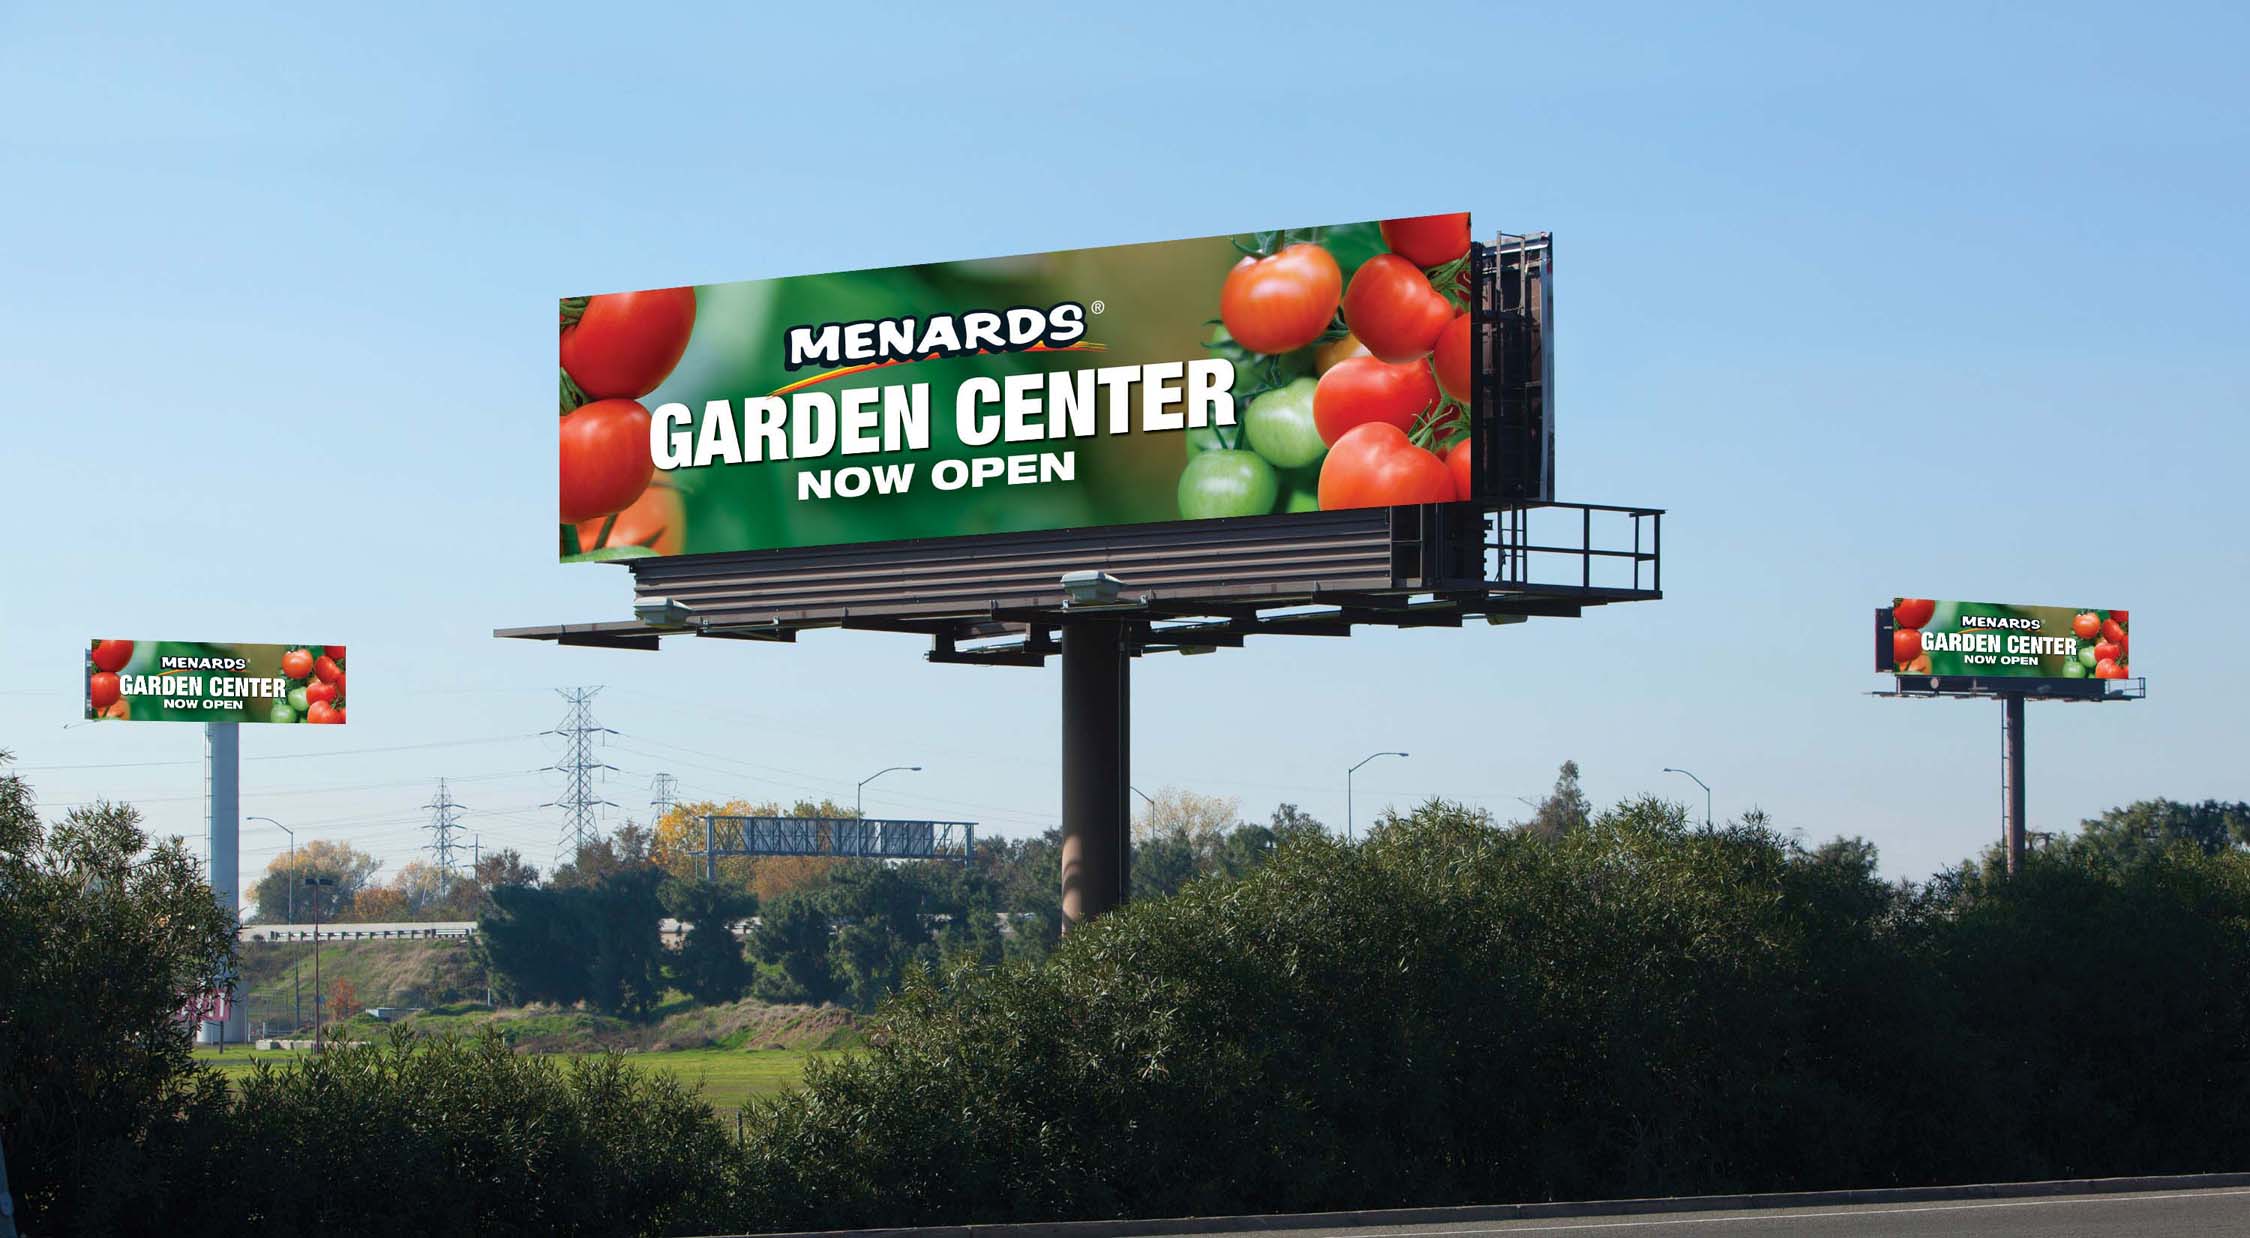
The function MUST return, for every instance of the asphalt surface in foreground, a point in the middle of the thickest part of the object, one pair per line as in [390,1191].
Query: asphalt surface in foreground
[2152,1214]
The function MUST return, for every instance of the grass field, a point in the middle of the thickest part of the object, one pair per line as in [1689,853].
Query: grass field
[729,1078]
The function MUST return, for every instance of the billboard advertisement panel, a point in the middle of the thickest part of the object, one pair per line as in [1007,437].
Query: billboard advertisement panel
[198,681]
[1302,370]
[1991,639]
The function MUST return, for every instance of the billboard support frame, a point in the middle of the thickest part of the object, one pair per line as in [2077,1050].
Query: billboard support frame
[2012,693]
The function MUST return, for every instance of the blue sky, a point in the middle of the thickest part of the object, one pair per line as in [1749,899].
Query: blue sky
[1946,302]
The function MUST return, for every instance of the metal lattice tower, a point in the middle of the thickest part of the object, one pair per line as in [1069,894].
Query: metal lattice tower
[579,803]
[445,821]
[664,791]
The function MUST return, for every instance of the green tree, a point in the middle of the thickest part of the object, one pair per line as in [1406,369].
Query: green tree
[2129,834]
[1565,809]
[885,914]
[709,964]
[625,974]
[99,953]
[597,942]
[793,938]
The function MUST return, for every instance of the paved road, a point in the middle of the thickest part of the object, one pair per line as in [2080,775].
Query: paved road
[2161,1214]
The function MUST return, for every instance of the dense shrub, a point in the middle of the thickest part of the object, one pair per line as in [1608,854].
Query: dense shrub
[1455,1012]
[1447,1012]
[462,1137]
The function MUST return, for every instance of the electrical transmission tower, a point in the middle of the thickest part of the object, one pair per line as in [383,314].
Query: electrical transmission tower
[664,792]
[445,821]
[579,803]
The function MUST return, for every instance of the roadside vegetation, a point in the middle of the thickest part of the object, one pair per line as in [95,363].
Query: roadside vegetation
[1454,1009]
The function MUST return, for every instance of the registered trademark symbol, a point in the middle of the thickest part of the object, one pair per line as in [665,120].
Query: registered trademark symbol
[1096,307]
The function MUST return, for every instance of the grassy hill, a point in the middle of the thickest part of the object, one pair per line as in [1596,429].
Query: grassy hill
[434,972]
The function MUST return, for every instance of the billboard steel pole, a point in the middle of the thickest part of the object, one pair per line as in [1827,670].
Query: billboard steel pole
[1096,748]
[2011,741]
[222,797]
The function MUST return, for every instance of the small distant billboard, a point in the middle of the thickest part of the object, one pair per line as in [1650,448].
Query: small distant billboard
[1924,636]
[199,681]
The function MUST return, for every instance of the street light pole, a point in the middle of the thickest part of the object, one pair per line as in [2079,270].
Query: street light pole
[1706,793]
[320,998]
[857,811]
[296,970]
[1348,824]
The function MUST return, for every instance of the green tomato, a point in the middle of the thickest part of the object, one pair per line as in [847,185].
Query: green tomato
[2072,668]
[1227,483]
[1279,425]
[2086,655]
[297,701]
[281,713]
[1203,439]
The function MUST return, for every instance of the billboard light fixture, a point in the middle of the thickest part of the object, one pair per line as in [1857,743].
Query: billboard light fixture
[662,612]
[1090,588]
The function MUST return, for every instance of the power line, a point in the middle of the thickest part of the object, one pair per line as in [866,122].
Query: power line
[292,756]
[579,803]
[664,790]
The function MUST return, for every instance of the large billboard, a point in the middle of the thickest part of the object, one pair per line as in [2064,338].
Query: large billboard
[1302,370]
[197,681]
[1922,636]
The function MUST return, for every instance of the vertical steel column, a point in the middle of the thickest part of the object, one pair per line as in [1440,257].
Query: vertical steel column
[710,850]
[222,802]
[1096,740]
[2011,760]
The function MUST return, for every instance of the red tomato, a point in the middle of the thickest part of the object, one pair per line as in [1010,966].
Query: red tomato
[297,663]
[339,685]
[1912,612]
[101,688]
[2123,641]
[112,655]
[321,712]
[2107,651]
[326,668]
[1358,390]
[1376,465]
[2086,625]
[320,691]
[1458,463]
[656,520]
[2121,616]
[1906,644]
[334,651]
[339,715]
[625,344]
[605,460]
[1428,240]
[2112,630]
[1283,302]
[2106,669]
[1393,310]
[1454,358]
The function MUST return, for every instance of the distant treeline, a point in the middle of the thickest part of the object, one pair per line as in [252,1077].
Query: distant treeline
[843,931]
